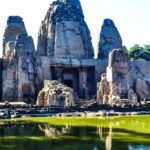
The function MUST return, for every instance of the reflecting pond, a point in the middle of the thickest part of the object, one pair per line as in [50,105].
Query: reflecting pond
[45,136]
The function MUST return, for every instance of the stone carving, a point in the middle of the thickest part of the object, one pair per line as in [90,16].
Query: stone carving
[15,26]
[19,69]
[64,33]
[65,53]
[103,90]
[117,80]
[9,83]
[109,39]
[24,45]
[55,94]
[43,68]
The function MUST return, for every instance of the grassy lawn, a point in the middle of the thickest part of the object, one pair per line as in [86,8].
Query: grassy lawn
[135,123]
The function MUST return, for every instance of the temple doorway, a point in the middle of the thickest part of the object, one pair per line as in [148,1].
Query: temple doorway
[69,83]
[70,77]
[76,78]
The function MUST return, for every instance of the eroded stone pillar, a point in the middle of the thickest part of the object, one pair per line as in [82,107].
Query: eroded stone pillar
[83,89]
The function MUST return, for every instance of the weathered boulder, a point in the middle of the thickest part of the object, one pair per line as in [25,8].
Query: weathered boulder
[115,87]
[55,94]
[64,33]
[109,39]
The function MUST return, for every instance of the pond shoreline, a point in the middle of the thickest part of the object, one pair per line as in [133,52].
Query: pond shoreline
[7,112]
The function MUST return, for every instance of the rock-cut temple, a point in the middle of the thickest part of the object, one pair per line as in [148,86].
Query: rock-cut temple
[65,54]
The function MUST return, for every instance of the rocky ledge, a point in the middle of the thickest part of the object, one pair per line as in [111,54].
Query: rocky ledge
[16,111]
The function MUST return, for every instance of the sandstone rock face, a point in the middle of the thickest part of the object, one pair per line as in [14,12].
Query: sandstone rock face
[103,90]
[109,39]
[116,88]
[141,79]
[43,68]
[143,88]
[55,94]
[24,45]
[25,52]
[14,27]
[64,33]
[19,62]
[9,82]
[65,53]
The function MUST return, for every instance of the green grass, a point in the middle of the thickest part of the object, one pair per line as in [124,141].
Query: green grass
[140,124]
[120,129]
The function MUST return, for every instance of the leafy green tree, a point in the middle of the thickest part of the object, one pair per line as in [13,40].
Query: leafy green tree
[146,48]
[137,52]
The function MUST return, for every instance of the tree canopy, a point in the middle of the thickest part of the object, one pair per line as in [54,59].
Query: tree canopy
[137,52]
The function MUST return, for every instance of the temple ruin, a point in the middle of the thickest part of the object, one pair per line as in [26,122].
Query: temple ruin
[116,87]
[65,54]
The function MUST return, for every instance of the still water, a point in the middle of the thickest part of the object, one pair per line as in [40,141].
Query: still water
[44,136]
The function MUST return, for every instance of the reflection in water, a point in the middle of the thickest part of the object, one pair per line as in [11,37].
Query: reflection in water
[108,141]
[29,136]
[106,136]
[51,131]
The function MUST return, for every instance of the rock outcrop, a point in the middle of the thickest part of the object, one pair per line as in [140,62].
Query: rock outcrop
[141,79]
[65,53]
[43,67]
[109,39]
[115,87]
[14,27]
[25,53]
[64,33]
[103,90]
[55,94]
[143,88]
[19,62]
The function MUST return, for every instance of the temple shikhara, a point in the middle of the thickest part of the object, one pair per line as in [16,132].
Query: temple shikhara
[62,68]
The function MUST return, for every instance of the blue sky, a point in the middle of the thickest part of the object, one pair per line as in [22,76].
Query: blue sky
[132,17]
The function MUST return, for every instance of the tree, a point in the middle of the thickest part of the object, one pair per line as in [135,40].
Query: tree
[146,48]
[137,52]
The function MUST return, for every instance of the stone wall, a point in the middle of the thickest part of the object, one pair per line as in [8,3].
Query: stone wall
[43,68]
